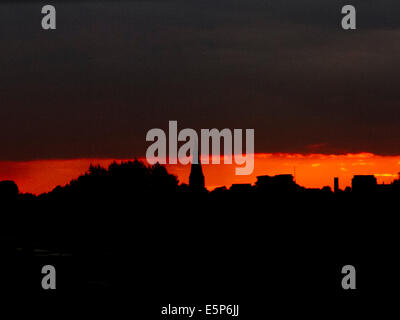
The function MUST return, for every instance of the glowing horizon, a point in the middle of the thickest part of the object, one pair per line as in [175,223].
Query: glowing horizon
[310,170]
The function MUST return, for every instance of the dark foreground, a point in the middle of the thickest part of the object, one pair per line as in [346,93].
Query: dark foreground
[271,254]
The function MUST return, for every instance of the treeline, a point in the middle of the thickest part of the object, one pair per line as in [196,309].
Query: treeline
[123,179]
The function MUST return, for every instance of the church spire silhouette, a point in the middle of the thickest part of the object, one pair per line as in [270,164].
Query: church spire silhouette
[196,178]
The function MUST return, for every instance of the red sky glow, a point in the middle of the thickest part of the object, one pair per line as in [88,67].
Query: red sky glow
[312,170]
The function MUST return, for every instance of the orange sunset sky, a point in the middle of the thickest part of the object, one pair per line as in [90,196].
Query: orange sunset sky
[312,170]
[323,102]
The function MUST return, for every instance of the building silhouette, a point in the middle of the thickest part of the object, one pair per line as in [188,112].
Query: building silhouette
[280,183]
[364,184]
[336,185]
[196,177]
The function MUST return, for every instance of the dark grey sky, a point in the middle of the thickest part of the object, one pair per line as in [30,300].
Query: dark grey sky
[115,69]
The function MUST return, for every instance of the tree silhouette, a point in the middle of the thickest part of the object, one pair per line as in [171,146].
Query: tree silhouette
[128,179]
[8,190]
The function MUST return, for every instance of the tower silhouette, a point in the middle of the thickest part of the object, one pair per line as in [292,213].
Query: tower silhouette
[196,178]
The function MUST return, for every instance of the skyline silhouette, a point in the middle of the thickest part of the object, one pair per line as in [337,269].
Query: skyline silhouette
[130,216]
[311,171]
[124,174]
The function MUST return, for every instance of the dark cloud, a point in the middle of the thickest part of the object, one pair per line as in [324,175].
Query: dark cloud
[113,70]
